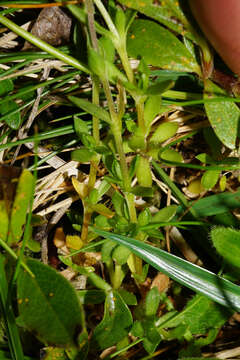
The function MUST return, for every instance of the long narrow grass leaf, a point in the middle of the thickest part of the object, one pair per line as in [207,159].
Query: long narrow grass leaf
[179,195]
[192,276]
[31,88]
[42,136]
[13,335]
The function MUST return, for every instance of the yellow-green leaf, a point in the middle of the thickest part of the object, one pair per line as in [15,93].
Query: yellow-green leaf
[102,210]
[143,172]
[81,188]
[20,206]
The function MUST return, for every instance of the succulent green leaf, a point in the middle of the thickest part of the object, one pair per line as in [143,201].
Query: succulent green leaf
[152,301]
[121,254]
[163,132]
[137,140]
[48,305]
[128,297]
[83,155]
[165,214]
[159,47]
[143,172]
[223,183]
[151,109]
[170,155]
[144,217]
[210,178]
[106,251]
[205,158]
[91,296]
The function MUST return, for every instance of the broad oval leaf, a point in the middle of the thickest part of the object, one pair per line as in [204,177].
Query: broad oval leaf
[224,116]
[170,155]
[159,47]
[210,178]
[166,214]
[82,155]
[192,276]
[164,132]
[48,305]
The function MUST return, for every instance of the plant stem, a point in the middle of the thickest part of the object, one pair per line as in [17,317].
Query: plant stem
[86,222]
[91,25]
[140,114]
[118,276]
[95,100]
[131,206]
[116,128]
[107,18]
[125,61]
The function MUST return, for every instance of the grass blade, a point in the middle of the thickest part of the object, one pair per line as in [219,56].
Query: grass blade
[13,335]
[179,195]
[192,276]
[69,129]
[42,44]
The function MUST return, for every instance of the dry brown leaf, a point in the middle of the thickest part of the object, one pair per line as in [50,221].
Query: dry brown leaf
[161,281]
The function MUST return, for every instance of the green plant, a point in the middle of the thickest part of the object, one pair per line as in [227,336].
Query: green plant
[126,133]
